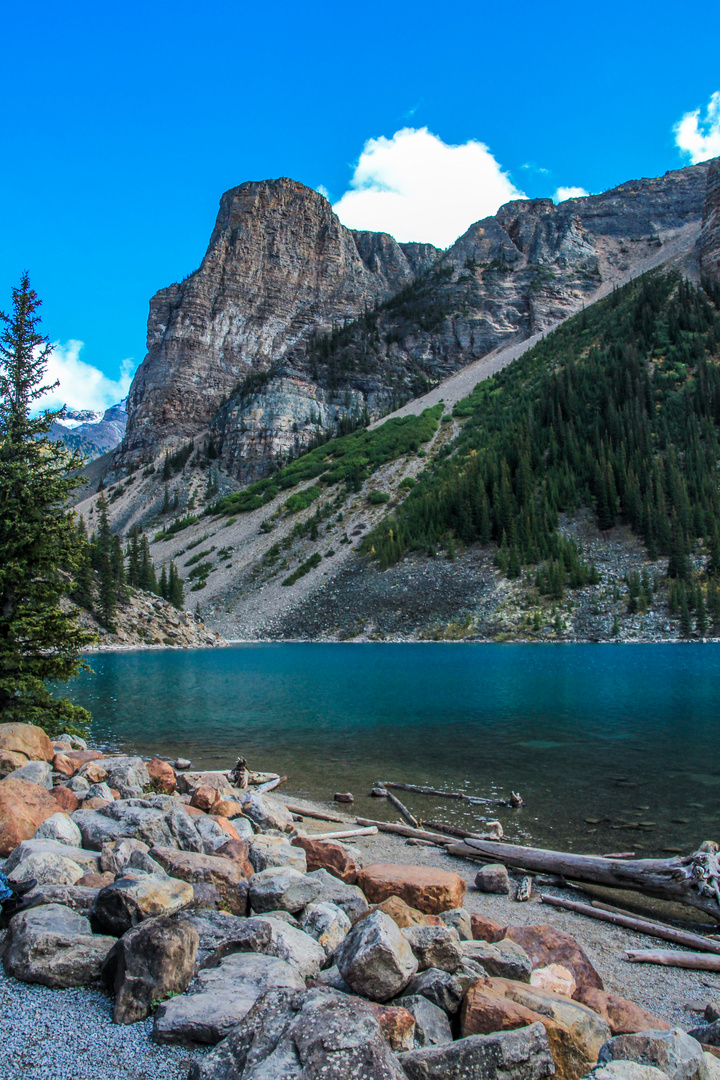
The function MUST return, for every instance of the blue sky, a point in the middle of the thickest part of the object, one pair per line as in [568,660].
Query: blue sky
[123,125]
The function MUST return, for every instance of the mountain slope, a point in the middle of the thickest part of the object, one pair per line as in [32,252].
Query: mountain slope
[91,433]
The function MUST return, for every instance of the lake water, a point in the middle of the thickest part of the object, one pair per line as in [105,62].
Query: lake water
[612,747]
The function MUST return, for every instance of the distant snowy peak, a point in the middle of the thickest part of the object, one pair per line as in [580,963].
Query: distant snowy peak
[92,433]
[75,417]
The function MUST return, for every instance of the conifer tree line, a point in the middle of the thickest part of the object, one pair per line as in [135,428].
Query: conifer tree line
[106,573]
[617,410]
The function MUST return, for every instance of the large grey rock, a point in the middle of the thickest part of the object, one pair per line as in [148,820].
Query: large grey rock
[502,959]
[100,791]
[35,772]
[167,825]
[137,896]
[217,779]
[244,828]
[523,1054]
[221,997]
[673,1052]
[348,897]
[272,937]
[625,1070]
[78,785]
[493,878]
[78,898]
[460,921]
[308,1035]
[268,851]
[128,775]
[435,947]
[40,857]
[709,1034]
[61,828]
[327,923]
[225,875]
[115,855]
[46,868]
[54,946]
[211,834]
[213,928]
[266,812]
[440,987]
[282,889]
[331,977]
[375,959]
[150,963]
[432,1027]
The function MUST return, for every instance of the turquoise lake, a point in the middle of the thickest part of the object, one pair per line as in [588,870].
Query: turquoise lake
[613,748]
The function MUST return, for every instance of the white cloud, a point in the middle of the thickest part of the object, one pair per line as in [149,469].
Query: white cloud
[564,193]
[416,187]
[82,386]
[700,138]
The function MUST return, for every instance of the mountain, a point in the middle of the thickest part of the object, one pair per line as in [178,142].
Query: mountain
[91,433]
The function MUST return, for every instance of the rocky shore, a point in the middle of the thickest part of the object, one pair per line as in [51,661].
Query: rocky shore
[165,922]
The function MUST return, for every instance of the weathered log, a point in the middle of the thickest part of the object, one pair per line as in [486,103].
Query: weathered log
[641,926]
[514,801]
[319,814]
[403,810]
[670,958]
[688,879]
[495,830]
[405,830]
[345,834]
[271,784]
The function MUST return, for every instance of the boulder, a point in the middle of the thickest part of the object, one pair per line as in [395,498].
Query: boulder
[128,774]
[53,945]
[35,772]
[397,1025]
[486,929]
[268,851]
[327,923]
[674,1052]
[440,987]
[28,740]
[282,889]
[506,1055]
[115,856]
[137,896]
[228,808]
[326,855]
[239,852]
[589,1031]
[46,868]
[162,776]
[205,798]
[188,781]
[403,915]
[375,960]
[23,806]
[555,978]
[78,785]
[10,760]
[274,937]
[80,758]
[78,898]
[150,963]
[423,887]
[302,1035]
[432,1027]
[493,878]
[707,1034]
[502,958]
[93,772]
[95,881]
[459,919]
[266,812]
[213,928]
[65,799]
[225,874]
[334,891]
[59,827]
[211,832]
[626,1070]
[624,1017]
[244,828]
[221,997]
[546,945]
[28,851]
[98,791]
[435,947]
[155,824]
[331,977]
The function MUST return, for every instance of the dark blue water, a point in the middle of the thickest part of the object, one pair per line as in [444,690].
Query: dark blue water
[612,747]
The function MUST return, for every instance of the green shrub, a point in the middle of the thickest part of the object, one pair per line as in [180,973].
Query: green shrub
[376,498]
[303,569]
[302,499]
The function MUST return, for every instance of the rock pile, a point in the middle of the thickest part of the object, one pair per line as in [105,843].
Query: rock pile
[236,931]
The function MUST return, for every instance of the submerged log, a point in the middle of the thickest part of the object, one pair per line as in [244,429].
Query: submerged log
[688,879]
[403,810]
[514,801]
[494,830]
[670,958]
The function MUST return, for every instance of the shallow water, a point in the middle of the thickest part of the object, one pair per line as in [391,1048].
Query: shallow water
[612,747]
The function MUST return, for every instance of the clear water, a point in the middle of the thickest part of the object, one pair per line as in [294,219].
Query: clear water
[613,748]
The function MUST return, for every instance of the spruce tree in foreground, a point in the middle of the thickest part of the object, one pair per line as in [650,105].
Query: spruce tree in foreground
[39,542]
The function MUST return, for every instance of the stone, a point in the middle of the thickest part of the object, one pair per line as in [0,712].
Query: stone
[300,1035]
[137,896]
[506,1055]
[63,765]
[205,798]
[239,852]
[59,827]
[214,928]
[674,1052]
[35,772]
[182,763]
[211,832]
[331,977]
[432,1027]
[10,760]
[274,937]
[78,785]
[128,774]
[440,987]
[141,819]
[375,960]
[215,778]
[459,919]
[326,855]
[98,791]
[435,947]
[23,806]
[65,799]
[73,741]
[226,825]
[626,1070]
[222,996]
[46,868]
[95,803]
[348,897]
[244,828]
[546,945]
[486,929]
[285,917]
[423,887]
[707,1034]
[162,776]
[191,866]
[403,915]
[91,880]
[282,889]
[54,946]
[81,758]
[29,850]
[266,812]
[624,1017]
[555,978]
[397,1025]
[228,808]
[26,739]
[502,958]
[493,878]
[151,962]
[94,773]
[327,923]
[78,898]
[267,851]
[115,856]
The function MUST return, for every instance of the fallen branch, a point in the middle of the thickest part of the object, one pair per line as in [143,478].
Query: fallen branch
[495,828]
[369,831]
[670,958]
[271,784]
[320,815]
[514,801]
[405,830]
[689,879]
[402,810]
[641,926]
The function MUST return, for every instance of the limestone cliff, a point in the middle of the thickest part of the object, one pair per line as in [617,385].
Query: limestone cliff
[710,233]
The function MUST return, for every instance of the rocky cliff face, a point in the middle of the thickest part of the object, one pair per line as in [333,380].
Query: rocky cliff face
[710,233]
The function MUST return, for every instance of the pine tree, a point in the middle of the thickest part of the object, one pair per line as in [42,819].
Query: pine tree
[701,619]
[176,592]
[147,578]
[39,642]
[107,594]
[83,592]
[685,620]
[133,553]
[163,583]
[117,562]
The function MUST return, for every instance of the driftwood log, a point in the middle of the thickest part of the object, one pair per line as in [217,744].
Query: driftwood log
[687,879]
[371,830]
[670,958]
[514,801]
[492,830]
[406,830]
[402,810]
[270,785]
[320,815]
